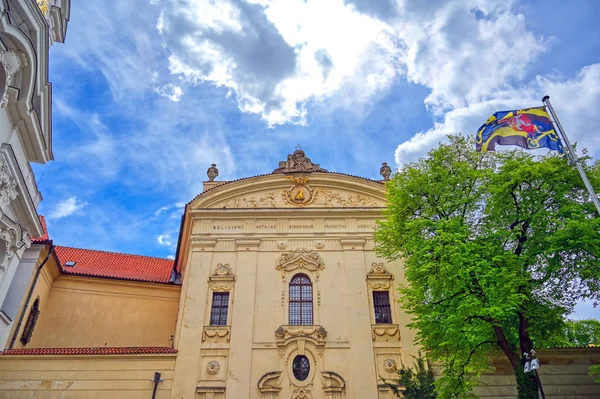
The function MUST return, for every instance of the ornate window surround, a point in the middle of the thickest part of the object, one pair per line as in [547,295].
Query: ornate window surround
[222,280]
[380,279]
[300,261]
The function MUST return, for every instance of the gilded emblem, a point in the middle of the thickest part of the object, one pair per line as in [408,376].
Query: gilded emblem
[300,193]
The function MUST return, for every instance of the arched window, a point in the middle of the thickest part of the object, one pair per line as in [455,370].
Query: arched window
[31,320]
[301,300]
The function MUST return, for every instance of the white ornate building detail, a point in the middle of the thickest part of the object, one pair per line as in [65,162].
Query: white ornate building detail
[12,62]
[8,185]
[15,243]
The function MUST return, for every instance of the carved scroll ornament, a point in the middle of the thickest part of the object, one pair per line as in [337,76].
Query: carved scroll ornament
[385,332]
[300,259]
[216,333]
[8,185]
[287,332]
[378,277]
[222,279]
[269,384]
[333,384]
[12,62]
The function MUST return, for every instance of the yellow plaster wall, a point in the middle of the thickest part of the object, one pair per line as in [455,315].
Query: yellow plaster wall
[90,377]
[251,241]
[90,312]
[41,290]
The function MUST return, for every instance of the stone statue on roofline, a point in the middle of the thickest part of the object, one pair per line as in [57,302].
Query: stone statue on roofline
[298,162]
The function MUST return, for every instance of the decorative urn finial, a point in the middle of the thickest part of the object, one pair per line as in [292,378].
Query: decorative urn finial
[385,171]
[212,172]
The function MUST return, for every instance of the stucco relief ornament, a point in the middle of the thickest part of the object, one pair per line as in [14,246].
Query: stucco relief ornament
[212,367]
[223,270]
[300,258]
[299,194]
[8,235]
[378,268]
[8,185]
[389,365]
[13,62]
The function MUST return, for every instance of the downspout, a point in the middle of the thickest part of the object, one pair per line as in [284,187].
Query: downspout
[26,305]
[156,380]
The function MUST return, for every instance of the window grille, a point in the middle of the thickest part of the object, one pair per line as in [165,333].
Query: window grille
[301,367]
[34,313]
[381,303]
[218,312]
[301,301]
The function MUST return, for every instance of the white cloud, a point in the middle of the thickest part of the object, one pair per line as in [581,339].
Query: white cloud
[68,207]
[161,210]
[164,239]
[576,101]
[170,91]
[278,55]
[172,257]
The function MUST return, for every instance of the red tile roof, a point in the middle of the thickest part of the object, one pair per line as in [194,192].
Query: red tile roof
[44,236]
[131,350]
[90,262]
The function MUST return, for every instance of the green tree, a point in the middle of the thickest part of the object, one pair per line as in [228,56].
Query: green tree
[417,383]
[595,370]
[497,249]
[580,333]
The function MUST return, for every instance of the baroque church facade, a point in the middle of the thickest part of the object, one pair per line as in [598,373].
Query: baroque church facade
[293,301]
[275,292]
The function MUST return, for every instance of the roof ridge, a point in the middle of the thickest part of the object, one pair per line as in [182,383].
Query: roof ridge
[92,350]
[114,253]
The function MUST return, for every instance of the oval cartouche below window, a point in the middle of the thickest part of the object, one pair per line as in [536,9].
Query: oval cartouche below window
[301,367]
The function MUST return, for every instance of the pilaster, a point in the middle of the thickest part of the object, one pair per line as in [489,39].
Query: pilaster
[191,320]
[240,353]
[362,363]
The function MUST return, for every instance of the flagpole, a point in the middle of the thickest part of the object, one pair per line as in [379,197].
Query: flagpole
[574,158]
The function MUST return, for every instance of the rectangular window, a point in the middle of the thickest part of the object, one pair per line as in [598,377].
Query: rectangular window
[218,312]
[381,303]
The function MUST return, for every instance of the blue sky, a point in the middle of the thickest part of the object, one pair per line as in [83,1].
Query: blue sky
[147,94]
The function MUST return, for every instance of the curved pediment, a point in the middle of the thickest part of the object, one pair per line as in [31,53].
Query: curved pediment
[294,190]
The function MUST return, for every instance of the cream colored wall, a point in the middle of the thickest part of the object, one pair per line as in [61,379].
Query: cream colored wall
[90,377]
[41,290]
[90,312]
[251,242]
